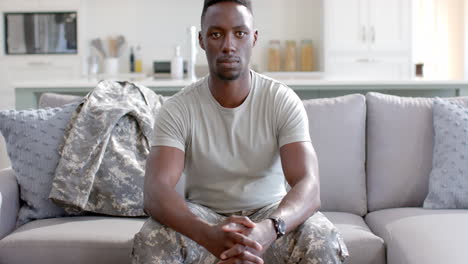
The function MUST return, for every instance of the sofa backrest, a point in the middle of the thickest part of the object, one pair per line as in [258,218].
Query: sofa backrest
[57,100]
[337,128]
[399,149]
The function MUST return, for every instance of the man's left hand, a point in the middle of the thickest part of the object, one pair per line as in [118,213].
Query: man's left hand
[264,233]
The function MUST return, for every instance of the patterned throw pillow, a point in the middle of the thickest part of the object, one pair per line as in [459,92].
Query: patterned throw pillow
[448,181]
[32,138]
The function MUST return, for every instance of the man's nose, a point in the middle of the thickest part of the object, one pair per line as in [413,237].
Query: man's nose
[228,44]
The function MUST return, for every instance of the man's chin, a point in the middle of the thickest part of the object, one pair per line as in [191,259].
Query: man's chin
[228,76]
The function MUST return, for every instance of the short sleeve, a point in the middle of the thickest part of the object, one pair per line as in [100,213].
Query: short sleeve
[171,126]
[292,121]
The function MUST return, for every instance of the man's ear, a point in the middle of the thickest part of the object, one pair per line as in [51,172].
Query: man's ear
[200,40]
[255,37]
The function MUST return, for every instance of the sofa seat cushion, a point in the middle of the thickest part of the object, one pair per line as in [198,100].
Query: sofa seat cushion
[72,240]
[363,246]
[417,235]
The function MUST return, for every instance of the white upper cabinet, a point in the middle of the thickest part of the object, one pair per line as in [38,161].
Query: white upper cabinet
[368,34]
[389,25]
[364,25]
[345,25]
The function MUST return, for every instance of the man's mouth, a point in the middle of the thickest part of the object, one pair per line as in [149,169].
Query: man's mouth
[228,62]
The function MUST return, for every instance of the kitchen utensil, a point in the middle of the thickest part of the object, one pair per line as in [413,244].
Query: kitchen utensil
[112,46]
[120,45]
[97,44]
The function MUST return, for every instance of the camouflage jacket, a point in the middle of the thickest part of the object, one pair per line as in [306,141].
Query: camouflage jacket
[103,157]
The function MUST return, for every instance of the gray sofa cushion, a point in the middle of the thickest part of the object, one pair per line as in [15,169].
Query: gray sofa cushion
[338,129]
[33,138]
[448,181]
[364,247]
[416,235]
[72,240]
[9,201]
[399,149]
[57,100]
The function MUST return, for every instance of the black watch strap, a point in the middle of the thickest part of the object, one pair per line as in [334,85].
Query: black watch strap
[279,225]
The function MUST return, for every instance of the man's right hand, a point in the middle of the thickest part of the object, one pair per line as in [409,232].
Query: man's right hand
[217,240]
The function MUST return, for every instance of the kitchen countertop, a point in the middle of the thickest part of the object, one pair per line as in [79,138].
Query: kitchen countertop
[295,79]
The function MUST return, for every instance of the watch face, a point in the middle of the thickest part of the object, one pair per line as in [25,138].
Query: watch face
[281,227]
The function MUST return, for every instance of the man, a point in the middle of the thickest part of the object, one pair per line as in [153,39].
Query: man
[237,135]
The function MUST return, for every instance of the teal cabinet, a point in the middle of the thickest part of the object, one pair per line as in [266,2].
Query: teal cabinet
[28,97]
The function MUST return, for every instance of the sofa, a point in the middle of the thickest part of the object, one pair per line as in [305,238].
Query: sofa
[375,158]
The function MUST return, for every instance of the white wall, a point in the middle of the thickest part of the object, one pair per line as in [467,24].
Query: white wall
[438,37]
[456,35]
[157,25]
[160,25]
[466,38]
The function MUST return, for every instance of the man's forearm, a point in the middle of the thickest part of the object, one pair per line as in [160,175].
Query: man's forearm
[301,202]
[167,207]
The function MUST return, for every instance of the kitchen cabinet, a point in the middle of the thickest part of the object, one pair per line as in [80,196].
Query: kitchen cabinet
[368,38]
[373,68]
[27,93]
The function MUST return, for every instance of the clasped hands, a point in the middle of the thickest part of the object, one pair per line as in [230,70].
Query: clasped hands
[239,240]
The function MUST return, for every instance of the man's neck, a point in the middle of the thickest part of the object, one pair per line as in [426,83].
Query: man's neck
[230,94]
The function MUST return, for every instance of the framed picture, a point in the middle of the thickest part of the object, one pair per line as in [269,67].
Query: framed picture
[41,33]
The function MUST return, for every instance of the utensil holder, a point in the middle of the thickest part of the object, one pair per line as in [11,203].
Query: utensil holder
[111,66]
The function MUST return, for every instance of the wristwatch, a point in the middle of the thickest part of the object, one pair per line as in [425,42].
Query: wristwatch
[280,226]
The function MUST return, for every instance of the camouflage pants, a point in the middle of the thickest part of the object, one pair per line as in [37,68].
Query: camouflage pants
[315,241]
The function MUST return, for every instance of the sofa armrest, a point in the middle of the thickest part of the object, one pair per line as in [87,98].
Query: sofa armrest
[9,201]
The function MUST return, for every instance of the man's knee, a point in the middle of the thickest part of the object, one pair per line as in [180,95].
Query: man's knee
[321,239]
[152,241]
[317,227]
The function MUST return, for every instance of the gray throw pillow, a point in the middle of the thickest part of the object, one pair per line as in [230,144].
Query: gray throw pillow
[448,181]
[32,139]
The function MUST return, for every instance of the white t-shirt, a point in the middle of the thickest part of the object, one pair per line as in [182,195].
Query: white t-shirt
[232,160]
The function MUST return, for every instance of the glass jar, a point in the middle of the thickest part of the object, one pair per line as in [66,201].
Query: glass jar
[290,56]
[274,56]
[307,55]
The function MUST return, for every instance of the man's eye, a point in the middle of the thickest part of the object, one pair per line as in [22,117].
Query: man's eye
[240,34]
[215,34]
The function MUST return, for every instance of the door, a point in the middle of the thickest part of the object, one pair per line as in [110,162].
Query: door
[389,25]
[345,26]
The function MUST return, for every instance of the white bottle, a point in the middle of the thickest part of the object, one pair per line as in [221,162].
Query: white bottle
[177,65]
[193,41]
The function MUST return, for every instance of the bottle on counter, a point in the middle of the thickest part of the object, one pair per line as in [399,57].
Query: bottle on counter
[138,60]
[132,60]
[419,72]
[307,55]
[290,56]
[93,66]
[274,56]
[192,54]
[177,64]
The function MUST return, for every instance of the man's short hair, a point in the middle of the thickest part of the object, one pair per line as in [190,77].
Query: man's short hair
[208,3]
